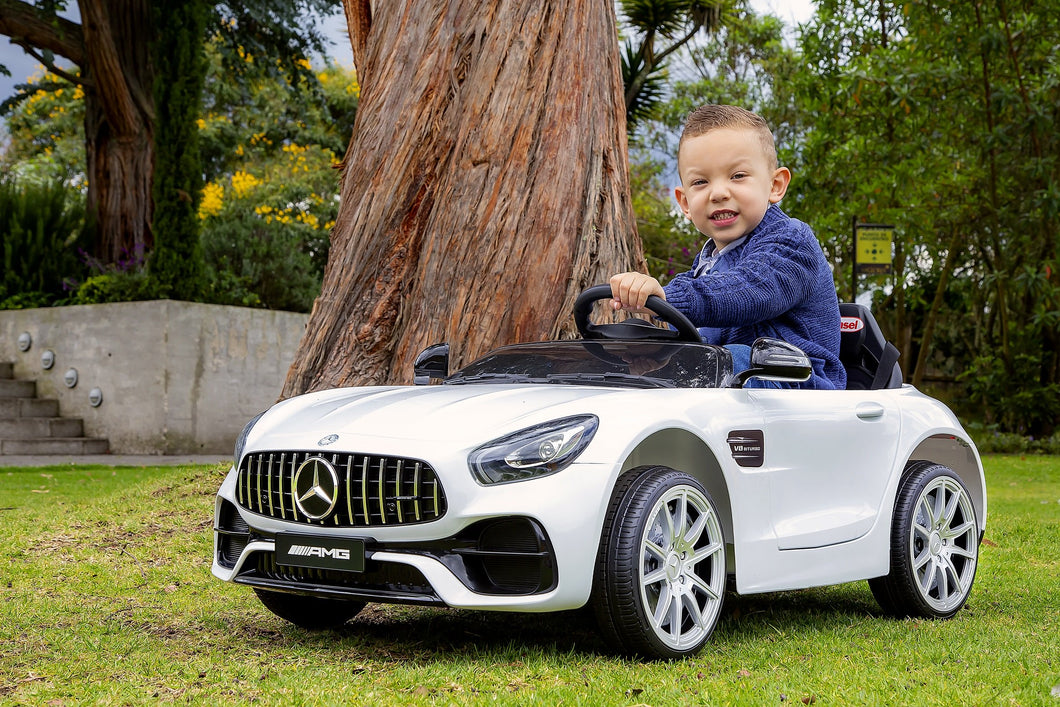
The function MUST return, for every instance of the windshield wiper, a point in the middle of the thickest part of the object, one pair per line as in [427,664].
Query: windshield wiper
[626,379]
[493,378]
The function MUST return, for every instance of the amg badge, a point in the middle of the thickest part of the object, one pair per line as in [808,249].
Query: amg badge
[319,552]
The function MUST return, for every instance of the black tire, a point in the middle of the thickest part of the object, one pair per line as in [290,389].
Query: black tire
[934,545]
[659,586]
[311,613]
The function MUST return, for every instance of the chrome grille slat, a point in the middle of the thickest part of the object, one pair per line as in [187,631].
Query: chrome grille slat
[416,489]
[397,492]
[380,491]
[380,496]
[257,497]
[364,490]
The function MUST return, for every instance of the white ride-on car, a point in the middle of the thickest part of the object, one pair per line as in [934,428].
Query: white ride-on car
[628,470]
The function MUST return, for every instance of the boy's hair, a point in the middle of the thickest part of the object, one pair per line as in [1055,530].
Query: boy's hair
[711,117]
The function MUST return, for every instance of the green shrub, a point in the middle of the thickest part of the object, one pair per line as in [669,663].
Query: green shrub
[114,286]
[41,226]
[251,262]
[990,440]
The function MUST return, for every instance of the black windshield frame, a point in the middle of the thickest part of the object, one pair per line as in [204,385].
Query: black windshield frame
[622,364]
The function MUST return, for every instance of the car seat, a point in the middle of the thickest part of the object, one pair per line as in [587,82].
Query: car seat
[870,360]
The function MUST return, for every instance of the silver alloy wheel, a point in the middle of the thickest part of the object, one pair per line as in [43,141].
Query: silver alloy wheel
[943,544]
[682,567]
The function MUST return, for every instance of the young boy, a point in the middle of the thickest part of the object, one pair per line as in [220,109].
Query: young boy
[761,273]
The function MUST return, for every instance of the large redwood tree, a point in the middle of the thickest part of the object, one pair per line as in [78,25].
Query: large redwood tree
[485,185]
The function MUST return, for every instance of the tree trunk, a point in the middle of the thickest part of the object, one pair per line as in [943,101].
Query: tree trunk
[485,186]
[119,120]
[936,304]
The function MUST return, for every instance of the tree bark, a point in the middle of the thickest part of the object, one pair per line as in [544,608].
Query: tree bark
[486,185]
[119,126]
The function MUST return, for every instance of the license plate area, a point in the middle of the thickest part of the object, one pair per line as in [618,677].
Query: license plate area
[320,552]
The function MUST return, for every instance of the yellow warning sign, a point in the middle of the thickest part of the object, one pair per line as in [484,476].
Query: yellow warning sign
[873,254]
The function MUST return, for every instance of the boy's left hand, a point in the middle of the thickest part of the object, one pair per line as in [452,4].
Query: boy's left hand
[630,291]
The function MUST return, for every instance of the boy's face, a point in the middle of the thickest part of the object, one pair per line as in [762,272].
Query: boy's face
[727,183]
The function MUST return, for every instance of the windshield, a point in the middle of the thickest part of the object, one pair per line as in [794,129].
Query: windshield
[627,364]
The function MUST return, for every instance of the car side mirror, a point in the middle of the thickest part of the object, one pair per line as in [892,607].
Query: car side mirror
[775,360]
[431,365]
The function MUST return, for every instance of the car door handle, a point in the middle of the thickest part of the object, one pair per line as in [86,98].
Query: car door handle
[869,411]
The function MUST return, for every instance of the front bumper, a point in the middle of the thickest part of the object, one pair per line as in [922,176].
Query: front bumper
[528,546]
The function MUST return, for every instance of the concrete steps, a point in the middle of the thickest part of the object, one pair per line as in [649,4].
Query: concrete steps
[32,426]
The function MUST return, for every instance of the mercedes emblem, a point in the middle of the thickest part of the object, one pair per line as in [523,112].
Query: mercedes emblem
[316,488]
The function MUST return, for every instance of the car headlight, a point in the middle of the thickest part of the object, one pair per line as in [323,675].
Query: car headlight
[241,441]
[533,452]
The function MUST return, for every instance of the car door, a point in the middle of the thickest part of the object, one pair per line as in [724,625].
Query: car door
[828,456]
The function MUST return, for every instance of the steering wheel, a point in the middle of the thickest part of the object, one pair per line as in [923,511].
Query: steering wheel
[636,329]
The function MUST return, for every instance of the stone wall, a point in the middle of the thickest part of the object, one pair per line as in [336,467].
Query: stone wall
[176,377]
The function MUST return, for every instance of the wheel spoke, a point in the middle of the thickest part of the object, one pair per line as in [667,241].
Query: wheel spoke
[663,606]
[951,507]
[705,552]
[675,619]
[930,507]
[695,531]
[928,577]
[681,511]
[698,581]
[671,533]
[953,577]
[651,578]
[951,533]
[921,559]
[654,549]
[692,607]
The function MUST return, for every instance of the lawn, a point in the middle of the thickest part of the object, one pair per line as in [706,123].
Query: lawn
[106,597]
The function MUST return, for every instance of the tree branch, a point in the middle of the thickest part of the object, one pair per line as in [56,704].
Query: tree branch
[28,26]
[359,23]
[50,66]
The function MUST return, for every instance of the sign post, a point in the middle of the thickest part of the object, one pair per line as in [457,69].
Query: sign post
[873,247]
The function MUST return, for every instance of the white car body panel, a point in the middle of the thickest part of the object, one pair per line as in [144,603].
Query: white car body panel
[816,512]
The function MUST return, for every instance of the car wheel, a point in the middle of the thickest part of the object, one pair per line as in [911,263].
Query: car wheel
[934,545]
[312,613]
[660,574]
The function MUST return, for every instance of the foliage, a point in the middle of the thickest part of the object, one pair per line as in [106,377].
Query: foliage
[915,113]
[176,263]
[40,234]
[111,601]
[113,53]
[46,131]
[989,439]
[656,29]
[272,194]
[268,147]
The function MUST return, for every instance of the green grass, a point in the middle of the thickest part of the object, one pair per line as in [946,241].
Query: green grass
[106,597]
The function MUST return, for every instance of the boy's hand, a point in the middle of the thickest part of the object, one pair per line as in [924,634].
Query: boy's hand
[630,290]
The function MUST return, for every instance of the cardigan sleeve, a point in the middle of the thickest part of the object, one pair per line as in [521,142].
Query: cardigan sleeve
[776,269]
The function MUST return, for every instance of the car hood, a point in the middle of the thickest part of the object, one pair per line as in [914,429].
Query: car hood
[459,414]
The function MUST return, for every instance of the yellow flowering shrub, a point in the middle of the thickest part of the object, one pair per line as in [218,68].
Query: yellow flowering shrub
[212,200]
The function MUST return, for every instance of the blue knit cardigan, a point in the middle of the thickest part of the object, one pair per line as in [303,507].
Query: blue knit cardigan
[777,284]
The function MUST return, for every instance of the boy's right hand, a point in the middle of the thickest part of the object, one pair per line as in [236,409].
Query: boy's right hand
[630,291]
